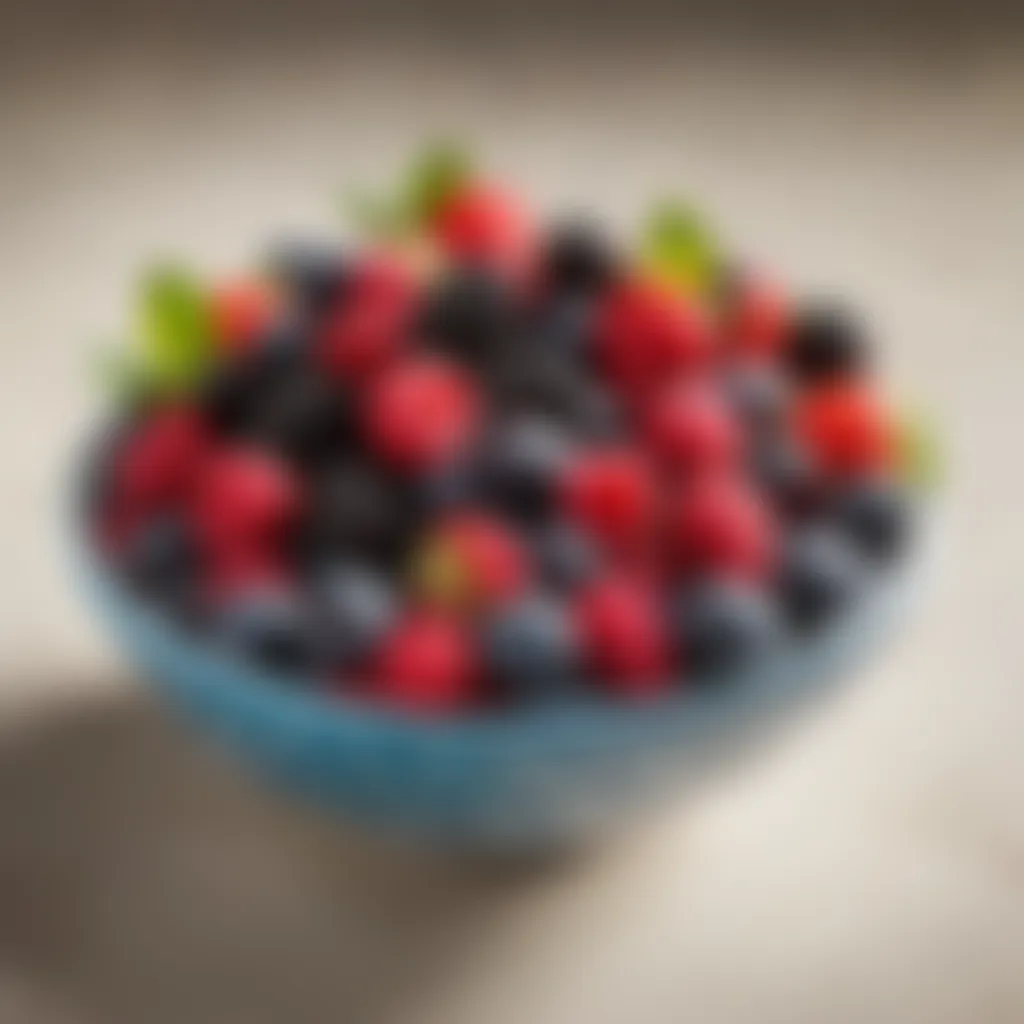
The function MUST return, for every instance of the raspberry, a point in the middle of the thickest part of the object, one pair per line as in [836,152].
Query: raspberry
[421,413]
[362,337]
[427,665]
[847,428]
[758,324]
[481,224]
[647,334]
[624,638]
[691,430]
[612,494]
[720,524]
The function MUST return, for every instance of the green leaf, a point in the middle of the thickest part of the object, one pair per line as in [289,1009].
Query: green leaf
[437,174]
[175,329]
[920,453]
[678,246]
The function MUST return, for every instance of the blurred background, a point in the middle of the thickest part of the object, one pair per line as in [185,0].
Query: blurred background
[870,868]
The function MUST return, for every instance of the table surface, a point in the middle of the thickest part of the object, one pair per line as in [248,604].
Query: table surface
[870,867]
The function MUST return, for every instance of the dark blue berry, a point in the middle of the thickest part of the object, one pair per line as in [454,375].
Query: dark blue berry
[759,397]
[358,608]
[579,258]
[566,557]
[273,628]
[532,649]
[162,556]
[826,343]
[875,515]
[315,272]
[564,326]
[721,626]
[819,577]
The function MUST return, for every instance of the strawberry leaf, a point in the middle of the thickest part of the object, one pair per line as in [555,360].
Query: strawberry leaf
[678,247]
[439,173]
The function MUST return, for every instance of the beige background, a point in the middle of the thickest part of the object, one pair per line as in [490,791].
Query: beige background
[870,869]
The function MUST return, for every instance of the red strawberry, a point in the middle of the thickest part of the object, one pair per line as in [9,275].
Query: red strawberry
[848,429]
[721,524]
[482,224]
[421,413]
[624,637]
[691,430]
[613,494]
[758,324]
[241,312]
[245,500]
[427,666]
[647,334]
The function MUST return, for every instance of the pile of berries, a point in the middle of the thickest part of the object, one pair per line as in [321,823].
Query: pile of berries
[484,463]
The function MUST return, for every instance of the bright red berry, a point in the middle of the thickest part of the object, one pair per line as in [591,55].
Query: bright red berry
[848,428]
[427,665]
[482,224]
[624,637]
[613,494]
[691,430]
[245,500]
[160,459]
[472,560]
[382,277]
[757,326]
[241,312]
[647,334]
[363,336]
[421,413]
[721,524]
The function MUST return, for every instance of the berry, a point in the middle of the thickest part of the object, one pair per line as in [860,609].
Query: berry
[566,557]
[721,525]
[355,511]
[158,460]
[522,465]
[471,560]
[426,665]
[721,626]
[691,431]
[788,476]
[564,327]
[647,334]
[305,418]
[358,609]
[241,312]
[579,259]
[246,499]
[315,273]
[848,429]
[758,395]
[421,414]
[826,344]
[758,322]
[876,517]
[481,224]
[382,277]
[161,557]
[272,627]
[818,577]
[532,649]
[470,316]
[612,494]
[623,637]
[362,337]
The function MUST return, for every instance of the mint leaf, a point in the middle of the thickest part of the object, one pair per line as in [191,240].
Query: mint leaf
[434,177]
[174,327]
[678,246]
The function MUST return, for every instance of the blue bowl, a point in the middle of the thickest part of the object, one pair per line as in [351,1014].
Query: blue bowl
[522,780]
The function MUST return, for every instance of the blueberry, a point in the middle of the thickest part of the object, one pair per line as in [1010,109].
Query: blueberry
[470,316]
[532,649]
[358,608]
[522,465]
[721,626]
[315,272]
[567,558]
[579,258]
[273,628]
[356,511]
[826,342]
[759,397]
[787,475]
[451,487]
[564,327]
[876,517]
[162,556]
[819,577]
[305,417]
